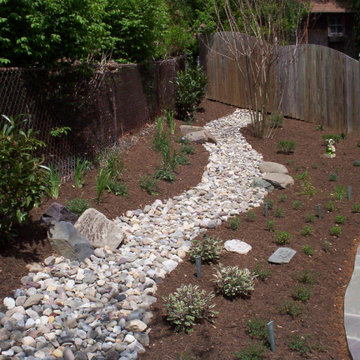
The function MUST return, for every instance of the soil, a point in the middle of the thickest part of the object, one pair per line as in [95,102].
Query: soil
[332,265]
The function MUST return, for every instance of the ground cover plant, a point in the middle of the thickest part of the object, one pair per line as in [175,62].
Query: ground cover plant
[271,299]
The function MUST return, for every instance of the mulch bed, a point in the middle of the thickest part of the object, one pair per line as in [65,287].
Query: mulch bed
[322,318]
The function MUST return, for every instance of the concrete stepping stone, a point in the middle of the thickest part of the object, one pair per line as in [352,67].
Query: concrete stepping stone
[282,255]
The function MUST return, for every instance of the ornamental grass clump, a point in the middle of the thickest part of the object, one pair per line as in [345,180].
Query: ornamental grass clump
[187,306]
[77,206]
[232,281]
[54,181]
[81,169]
[285,146]
[208,248]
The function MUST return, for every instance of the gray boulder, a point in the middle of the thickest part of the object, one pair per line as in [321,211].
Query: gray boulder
[57,212]
[273,167]
[281,181]
[99,230]
[67,241]
[259,182]
[197,134]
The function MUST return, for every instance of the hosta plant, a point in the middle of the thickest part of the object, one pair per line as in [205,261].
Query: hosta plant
[187,306]
[232,281]
[208,248]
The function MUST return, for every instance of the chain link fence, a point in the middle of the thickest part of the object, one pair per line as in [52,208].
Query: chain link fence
[99,104]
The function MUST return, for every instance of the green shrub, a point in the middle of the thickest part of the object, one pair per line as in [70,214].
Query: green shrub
[330,206]
[187,306]
[320,128]
[297,205]
[340,192]
[356,163]
[292,308]
[117,188]
[187,149]
[22,177]
[356,208]
[332,177]
[302,293]
[299,344]
[77,206]
[270,225]
[270,204]
[54,181]
[165,173]
[81,169]
[170,120]
[327,137]
[261,271]
[257,329]
[250,216]
[340,219]
[307,230]
[150,184]
[254,351]
[279,212]
[285,146]
[306,277]
[335,231]
[310,218]
[308,250]
[101,182]
[114,164]
[327,246]
[276,120]
[181,159]
[190,90]
[282,237]
[232,281]
[209,248]
[234,223]
[282,198]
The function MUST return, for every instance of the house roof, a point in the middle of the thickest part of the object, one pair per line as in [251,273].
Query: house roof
[330,6]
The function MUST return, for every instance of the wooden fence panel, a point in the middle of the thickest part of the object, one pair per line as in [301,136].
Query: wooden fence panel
[317,84]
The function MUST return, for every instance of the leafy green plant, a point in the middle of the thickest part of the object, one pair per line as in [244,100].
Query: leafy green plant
[302,293]
[190,90]
[285,146]
[187,306]
[270,225]
[114,164]
[22,176]
[340,219]
[299,343]
[257,329]
[181,159]
[308,250]
[327,246]
[310,218]
[330,206]
[282,237]
[170,120]
[161,140]
[101,182]
[234,223]
[356,163]
[150,184]
[117,188]
[209,248]
[335,231]
[327,137]
[254,351]
[306,277]
[292,308]
[332,177]
[282,198]
[250,216]
[261,271]
[279,212]
[187,149]
[77,206]
[54,181]
[270,204]
[314,166]
[307,230]
[356,208]
[340,192]
[320,128]
[58,132]
[231,281]
[276,120]
[297,205]
[81,169]
[165,173]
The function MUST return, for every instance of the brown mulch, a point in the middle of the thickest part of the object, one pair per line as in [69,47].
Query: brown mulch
[322,318]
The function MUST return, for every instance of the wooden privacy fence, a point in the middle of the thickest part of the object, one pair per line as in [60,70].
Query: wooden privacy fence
[314,83]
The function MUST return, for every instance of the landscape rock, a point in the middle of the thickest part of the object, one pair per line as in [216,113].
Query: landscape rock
[33,300]
[260,182]
[57,212]
[67,241]
[281,181]
[282,255]
[197,133]
[273,167]
[99,230]
[238,246]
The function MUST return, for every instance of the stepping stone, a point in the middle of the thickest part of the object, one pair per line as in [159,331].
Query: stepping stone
[282,256]
[273,167]
[281,181]
[238,246]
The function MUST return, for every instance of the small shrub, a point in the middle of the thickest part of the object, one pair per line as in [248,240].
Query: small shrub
[308,188]
[292,308]
[314,166]
[302,293]
[181,159]
[282,237]
[330,206]
[279,212]
[187,149]
[270,225]
[282,198]
[308,250]
[302,176]
[356,208]
[101,182]
[234,223]
[335,231]
[117,188]
[332,177]
[261,271]
[232,281]
[150,184]
[187,306]
[209,248]
[250,216]
[270,204]
[257,329]
[340,192]
[54,181]
[307,230]
[335,137]
[81,169]
[114,164]
[285,146]
[340,219]
[254,351]
[165,173]
[356,163]
[310,218]
[299,344]
[306,277]
[327,246]
[297,167]
[276,120]
[77,206]
[297,205]
[320,128]
[169,116]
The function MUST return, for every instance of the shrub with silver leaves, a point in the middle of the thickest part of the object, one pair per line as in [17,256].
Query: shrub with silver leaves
[232,281]
[209,248]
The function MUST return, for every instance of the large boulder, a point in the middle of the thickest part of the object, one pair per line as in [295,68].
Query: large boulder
[99,230]
[57,212]
[273,167]
[197,134]
[67,241]
[281,181]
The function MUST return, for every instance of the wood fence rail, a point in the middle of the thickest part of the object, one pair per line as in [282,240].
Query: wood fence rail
[318,84]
